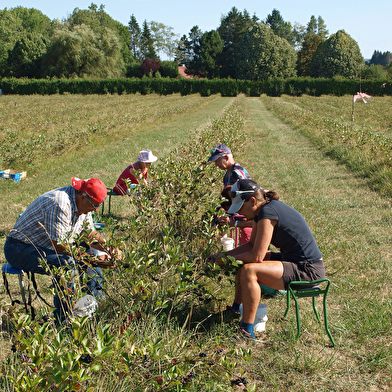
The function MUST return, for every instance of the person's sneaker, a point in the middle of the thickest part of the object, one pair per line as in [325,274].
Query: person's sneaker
[231,314]
[242,334]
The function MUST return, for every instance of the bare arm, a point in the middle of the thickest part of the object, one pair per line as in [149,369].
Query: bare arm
[113,254]
[256,249]
[60,249]
[230,221]
[109,260]
[262,240]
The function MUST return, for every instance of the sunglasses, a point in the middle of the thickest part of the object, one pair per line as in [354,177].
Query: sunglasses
[233,194]
[92,204]
[214,150]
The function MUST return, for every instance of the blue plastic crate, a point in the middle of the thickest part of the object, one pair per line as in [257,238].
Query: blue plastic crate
[13,175]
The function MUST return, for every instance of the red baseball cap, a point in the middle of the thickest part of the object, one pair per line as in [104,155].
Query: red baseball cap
[93,187]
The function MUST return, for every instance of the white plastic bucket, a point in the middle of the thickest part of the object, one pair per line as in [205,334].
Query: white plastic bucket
[260,319]
[227,243]
[85,306]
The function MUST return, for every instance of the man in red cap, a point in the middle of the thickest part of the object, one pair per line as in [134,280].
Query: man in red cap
[50,224]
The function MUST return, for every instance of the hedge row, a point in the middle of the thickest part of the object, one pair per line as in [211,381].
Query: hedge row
[164,86]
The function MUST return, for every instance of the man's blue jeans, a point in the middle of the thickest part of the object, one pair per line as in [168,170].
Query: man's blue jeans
[26,257]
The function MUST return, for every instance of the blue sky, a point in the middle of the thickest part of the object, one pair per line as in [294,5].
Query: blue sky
[367,22]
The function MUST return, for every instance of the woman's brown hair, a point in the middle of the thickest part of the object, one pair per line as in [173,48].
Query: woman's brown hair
[264,194]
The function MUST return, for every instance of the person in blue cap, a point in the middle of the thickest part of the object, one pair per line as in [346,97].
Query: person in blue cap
[222,156]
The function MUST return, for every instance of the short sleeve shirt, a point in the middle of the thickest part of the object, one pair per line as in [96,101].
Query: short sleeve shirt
[237,173]
[121,185]
[291,234]
[52,216]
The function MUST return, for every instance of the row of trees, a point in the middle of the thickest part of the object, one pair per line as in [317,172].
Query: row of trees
[90,43]
[245,47]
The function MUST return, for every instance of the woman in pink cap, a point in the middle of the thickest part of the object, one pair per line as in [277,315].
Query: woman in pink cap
[135,173]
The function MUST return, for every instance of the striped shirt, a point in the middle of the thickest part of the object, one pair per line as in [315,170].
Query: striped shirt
[237,173]
[52,216]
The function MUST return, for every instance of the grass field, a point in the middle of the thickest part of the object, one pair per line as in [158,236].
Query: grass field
[287,147]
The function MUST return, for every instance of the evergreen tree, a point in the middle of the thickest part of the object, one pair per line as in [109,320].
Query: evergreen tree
[322,28]
[261,55]
[316,33]
[232,28]
[312,25]
[181,50]
[188,49]
[205,63]
[380,58]
[338,55]
[280,27]
[305,55]
[147,49]
[134,38]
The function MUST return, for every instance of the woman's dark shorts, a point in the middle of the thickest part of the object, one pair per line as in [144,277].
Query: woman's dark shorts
[300,271]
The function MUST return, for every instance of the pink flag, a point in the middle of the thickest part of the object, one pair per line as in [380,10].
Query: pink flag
[361,96]
[383,85]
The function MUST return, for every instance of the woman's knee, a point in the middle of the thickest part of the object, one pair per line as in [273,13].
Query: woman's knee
[248,272]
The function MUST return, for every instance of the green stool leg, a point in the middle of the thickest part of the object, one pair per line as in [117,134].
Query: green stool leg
[315,310]
[297,317]
[110,200]
[326,315]
[288,304]
[109,193]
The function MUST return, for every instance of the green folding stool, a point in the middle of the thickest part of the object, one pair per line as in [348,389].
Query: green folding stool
[110,193]
[309,289]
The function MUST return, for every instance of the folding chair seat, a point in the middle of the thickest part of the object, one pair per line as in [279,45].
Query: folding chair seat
[9,269]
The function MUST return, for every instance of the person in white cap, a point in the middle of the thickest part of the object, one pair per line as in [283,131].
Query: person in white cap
[135,173]
[274,222]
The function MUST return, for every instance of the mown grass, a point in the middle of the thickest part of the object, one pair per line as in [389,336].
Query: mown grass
[351,223]
[362,142]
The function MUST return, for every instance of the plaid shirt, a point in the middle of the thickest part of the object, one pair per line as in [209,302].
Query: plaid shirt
[51,216]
